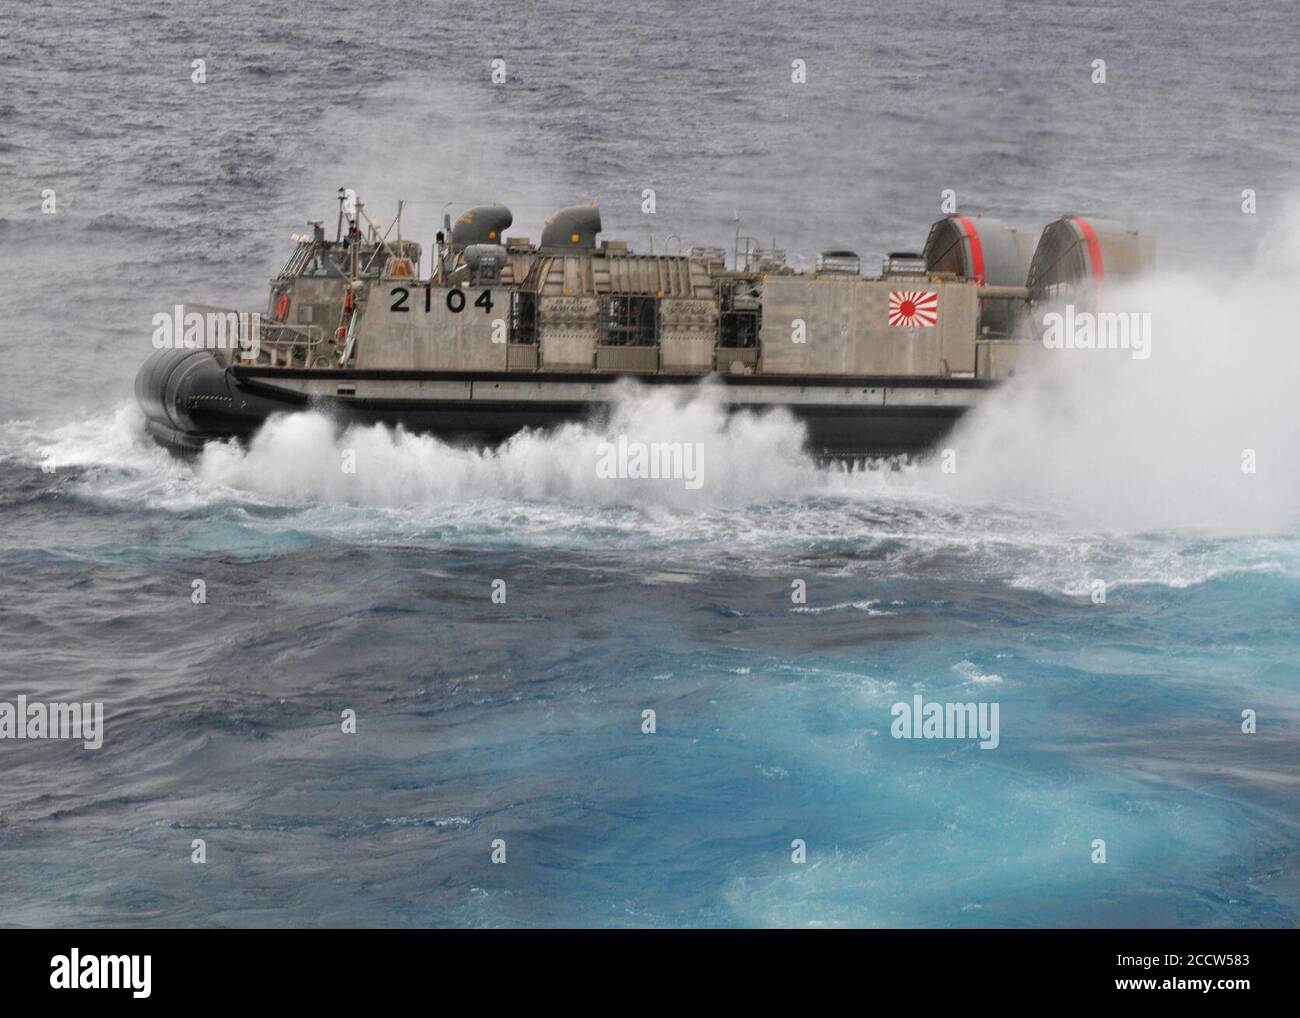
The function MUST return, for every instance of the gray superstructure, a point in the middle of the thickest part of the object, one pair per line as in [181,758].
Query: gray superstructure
[502,333]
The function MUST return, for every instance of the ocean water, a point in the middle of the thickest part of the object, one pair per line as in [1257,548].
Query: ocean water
[479,721]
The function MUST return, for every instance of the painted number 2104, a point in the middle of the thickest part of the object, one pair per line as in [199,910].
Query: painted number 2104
[456,300]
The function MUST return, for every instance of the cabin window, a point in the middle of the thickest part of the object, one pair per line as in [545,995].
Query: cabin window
[631,321]
[322,264]
[523,317]
[373,264]
[741,315]
[738,329]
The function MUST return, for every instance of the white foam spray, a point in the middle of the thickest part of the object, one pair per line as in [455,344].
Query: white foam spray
[1114,443]
[307,458]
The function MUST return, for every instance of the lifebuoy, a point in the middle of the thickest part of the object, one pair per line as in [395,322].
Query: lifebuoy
[349,301]
[282,308]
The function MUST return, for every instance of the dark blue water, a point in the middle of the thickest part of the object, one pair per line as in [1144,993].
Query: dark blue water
[522,720]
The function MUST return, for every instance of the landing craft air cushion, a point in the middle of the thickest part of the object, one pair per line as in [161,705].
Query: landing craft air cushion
[503,334]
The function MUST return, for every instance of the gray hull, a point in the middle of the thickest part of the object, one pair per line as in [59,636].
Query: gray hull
[190,398]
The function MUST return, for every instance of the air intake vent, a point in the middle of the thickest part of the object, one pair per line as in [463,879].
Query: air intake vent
[571,230]
[838,263]
[485,224]
[904,263]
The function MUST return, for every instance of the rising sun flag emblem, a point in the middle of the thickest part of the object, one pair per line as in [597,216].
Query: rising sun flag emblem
[910,308]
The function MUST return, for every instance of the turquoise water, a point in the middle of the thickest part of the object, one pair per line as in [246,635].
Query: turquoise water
[523,721]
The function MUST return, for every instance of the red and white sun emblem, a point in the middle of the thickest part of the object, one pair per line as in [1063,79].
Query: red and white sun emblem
[910,308]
